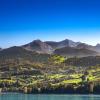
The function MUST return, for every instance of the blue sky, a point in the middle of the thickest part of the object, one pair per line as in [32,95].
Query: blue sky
[22,21]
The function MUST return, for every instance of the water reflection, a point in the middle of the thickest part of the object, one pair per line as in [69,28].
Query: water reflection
[16,96]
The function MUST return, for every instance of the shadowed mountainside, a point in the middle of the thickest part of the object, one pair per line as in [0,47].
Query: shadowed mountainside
[71,51]
[18,53]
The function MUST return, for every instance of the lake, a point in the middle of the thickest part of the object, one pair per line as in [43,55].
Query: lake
[18,96]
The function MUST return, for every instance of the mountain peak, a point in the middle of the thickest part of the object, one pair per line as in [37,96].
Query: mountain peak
[98,45]
[66,40]
[37,40]
[38,46]
[69,43]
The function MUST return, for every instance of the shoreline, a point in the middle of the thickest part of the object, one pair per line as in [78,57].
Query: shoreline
[50,93]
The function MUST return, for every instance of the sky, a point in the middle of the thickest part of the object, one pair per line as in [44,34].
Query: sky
[22,21]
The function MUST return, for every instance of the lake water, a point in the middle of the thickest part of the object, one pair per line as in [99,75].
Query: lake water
[17,96]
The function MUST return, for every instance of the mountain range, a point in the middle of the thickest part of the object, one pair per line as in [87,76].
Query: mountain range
[66,48]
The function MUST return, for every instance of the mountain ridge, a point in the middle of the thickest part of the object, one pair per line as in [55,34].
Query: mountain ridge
[64,47]
[50,47]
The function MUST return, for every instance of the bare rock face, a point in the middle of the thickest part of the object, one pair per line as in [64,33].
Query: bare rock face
[89,47]
[39,46]
[61,44]
[97,48]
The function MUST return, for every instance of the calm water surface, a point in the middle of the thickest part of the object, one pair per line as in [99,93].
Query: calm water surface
[17,96]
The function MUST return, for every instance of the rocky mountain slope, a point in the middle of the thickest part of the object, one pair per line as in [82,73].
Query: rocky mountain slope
[71,52]
[18,54]
[61,44]
[65,47]
[38,46]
